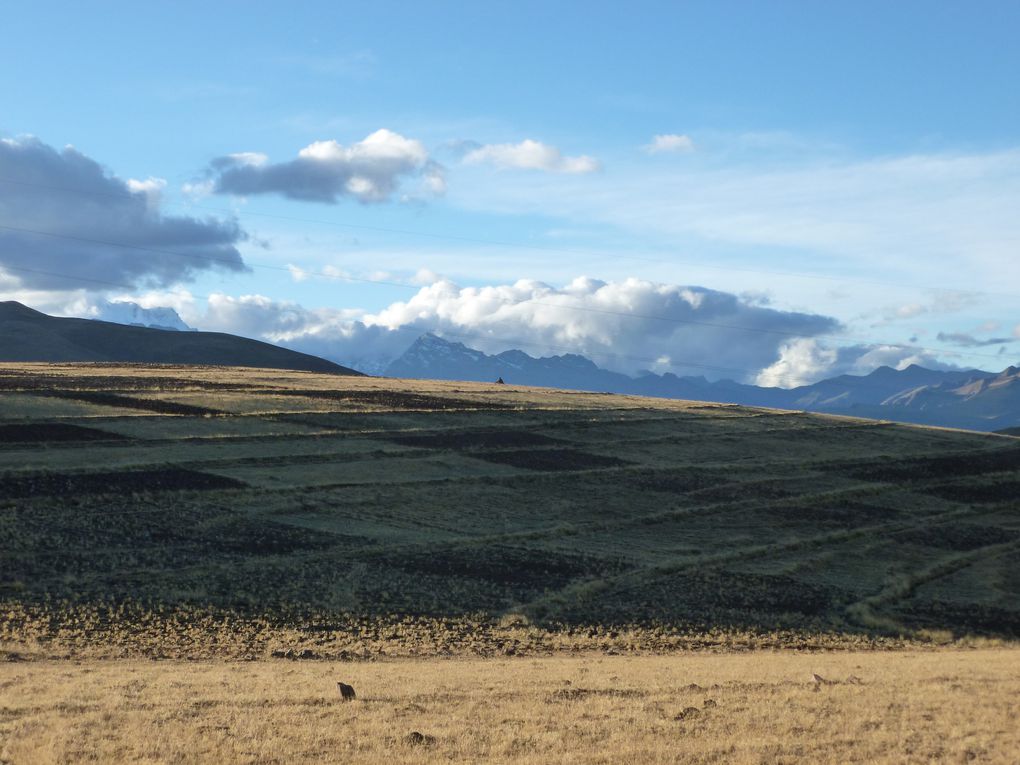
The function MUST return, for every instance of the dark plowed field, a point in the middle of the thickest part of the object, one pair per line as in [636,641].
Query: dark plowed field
[131,402]
[51,432]
[495,439]
[550,459]
[116,483]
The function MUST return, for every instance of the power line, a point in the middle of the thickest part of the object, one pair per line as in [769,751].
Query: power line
[497,243]
[506,301]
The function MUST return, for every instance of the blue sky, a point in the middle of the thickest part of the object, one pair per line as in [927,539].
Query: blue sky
[856,162]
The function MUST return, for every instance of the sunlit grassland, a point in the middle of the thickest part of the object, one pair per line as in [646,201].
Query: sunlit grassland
[947,705]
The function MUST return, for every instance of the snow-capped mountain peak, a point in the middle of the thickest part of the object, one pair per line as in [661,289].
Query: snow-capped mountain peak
[125,312]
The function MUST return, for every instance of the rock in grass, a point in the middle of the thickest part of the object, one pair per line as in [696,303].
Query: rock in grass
[417,738]
[346,692]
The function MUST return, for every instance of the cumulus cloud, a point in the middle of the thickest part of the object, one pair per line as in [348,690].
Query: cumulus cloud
[670,143]
[530,155]
[627,326]
[624,325]
[334,334]
[803,361]
[370,170]
[66,223]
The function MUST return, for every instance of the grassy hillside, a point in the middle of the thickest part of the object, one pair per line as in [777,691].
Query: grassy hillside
[28,335]
[199,511]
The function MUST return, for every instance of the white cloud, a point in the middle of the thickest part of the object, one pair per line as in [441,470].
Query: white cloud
[425,276]
[530,155]
[370,170]
[198,190]
[297,273]
[330,333]
[151,187]
[626,326]
[670,143]
[803,361]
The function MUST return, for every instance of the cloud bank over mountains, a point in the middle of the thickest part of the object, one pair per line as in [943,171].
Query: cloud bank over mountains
[68,223]
[625,326]
[370,170]
[806,360]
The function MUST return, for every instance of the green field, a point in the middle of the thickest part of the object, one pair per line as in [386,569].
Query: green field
[175,511]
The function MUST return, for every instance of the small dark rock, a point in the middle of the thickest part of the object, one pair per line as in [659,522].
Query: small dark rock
[709,703]
[689,713]
[346,692]
[416,738]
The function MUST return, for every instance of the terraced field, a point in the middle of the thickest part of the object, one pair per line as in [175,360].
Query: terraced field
[195,512]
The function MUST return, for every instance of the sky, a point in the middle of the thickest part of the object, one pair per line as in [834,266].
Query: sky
[774,192]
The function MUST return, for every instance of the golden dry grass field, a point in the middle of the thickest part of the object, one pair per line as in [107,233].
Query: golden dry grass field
[521,574]
[878,707]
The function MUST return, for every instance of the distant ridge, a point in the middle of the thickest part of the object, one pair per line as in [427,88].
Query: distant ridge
[970,399]
[29,335]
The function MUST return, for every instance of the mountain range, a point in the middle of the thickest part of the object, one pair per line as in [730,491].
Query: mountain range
[969,399]
[28,335]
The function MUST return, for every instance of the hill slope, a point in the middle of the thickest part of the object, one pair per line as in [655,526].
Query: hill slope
[179,501]
[28,335]
[969,399]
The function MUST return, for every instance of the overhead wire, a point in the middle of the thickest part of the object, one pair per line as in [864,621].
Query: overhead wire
[496,243]
[497,298]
